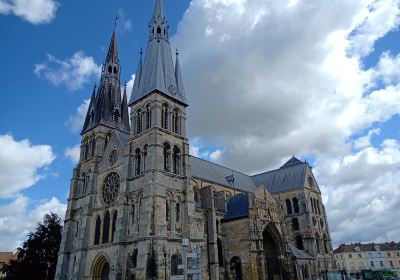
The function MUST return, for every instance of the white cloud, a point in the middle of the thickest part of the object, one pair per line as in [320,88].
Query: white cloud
[268,86]
[365,141]
[126,25]
[16,220]
[33,11]
[76,121]
[74,72]
[129,86]
[21,164]
[73,153]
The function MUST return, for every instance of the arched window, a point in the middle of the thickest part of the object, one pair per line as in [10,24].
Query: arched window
[295,224]
[116,116]
[312,205]
[144,157]
[93,147]
[317,243]
[299,243]
[83,184]
[106,228]
[134,258]
[167,152]
[176,260]
[108,137]
[148,117]
[288,206]
[133,214]
[114,225]
[164,116]
[220,253]
[178,212]
[168,213]
[158,30]
[196,194]
[175,121]
[176,160]
[138,161]
[318,208]
[77,229]
[97,231]
[326,245]
[140,210]
[139,121]
[296,205]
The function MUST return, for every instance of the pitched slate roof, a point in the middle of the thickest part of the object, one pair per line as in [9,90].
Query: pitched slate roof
[299,254]
[289,176]
[158,72]
[357,247]
[218,174]
[238,207]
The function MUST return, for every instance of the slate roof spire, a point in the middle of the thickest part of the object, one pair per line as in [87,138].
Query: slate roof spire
[158,73]
[106,106]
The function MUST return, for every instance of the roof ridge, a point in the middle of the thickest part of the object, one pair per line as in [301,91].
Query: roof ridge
[220,165]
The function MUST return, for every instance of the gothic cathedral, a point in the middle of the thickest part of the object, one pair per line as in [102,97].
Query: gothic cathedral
[140,207]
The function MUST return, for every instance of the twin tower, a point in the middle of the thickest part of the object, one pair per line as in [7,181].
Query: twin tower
[129,202]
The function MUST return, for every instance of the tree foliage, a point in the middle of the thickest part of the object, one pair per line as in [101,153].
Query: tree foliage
[37,259]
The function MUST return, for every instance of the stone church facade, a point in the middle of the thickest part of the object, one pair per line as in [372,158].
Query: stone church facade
[141,207]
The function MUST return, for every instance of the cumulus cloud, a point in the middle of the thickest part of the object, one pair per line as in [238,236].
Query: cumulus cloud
[33,11]
[73,153]
[76,121]
[266,80]
[74,72]
[16,219]
[21,164]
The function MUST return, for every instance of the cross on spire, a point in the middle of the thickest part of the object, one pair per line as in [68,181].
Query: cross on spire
[116,20]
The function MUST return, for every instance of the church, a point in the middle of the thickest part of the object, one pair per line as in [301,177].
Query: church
[140,207]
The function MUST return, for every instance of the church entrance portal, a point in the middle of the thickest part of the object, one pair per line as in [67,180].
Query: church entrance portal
[101,269]
[273,269]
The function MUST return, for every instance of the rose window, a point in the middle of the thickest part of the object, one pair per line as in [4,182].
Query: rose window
[111,188]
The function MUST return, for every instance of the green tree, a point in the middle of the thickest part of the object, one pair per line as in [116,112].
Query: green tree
[37,259]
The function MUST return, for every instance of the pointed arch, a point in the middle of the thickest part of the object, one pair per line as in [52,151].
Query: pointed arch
[101,267]
[148,116]
[296,208]
[138,162]
[139,121]
[106,228]
[97,231]
[167,156]
[176,160]
[289,207]
[114,225]
[144,157]
[164,116]
[176,121]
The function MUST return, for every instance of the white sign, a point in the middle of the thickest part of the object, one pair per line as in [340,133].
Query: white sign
[185,242]
[192,255]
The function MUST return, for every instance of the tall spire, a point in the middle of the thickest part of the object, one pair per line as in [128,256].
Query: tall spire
[158,9]
[106,107]
[158,71]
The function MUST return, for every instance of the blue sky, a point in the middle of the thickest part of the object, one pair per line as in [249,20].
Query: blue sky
[265,80]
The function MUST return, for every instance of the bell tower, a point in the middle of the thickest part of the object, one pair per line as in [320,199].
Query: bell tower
[159,154]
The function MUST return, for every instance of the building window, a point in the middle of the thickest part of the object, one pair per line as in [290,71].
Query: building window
[295,205]
[220,253]
[144,157]
[133,214]
[295,224]
[391,263]
[288,206]
[134,258]
[350,256]
[164,116]
[178,212]
[168,213]
[167,152]
[381,262]
[176,260]
[176,160]
[139,121]
[97,231]
[175,121]
[371,263]
[148,117]
[359,256]
[138,160]
[106,228]
[114,225]
[196,194]
[299,243]
[388,254]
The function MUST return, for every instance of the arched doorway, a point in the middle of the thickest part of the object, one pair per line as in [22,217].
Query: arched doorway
[101,269]
[236,268]
[271,253]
